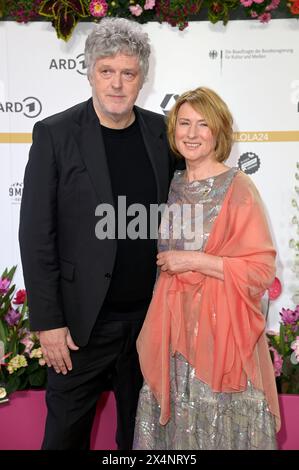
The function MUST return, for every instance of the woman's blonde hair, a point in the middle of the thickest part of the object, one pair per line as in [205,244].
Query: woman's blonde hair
[216,113]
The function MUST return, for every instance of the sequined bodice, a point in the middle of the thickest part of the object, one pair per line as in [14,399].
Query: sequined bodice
[201,200]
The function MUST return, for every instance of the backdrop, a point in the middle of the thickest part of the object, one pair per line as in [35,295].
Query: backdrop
[254,67]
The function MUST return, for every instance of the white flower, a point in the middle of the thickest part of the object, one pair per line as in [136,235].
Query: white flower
[36,353]
[16,363]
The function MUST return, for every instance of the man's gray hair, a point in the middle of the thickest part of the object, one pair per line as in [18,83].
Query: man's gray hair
[117,35]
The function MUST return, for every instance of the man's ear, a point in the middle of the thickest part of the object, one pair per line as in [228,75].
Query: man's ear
[90,79]
[141,84]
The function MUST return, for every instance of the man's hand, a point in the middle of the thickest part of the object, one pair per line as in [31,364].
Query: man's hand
[55,346]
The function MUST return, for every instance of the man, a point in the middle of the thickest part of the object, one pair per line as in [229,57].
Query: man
[88,295]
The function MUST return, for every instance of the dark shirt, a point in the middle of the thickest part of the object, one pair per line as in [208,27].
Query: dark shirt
[132,176]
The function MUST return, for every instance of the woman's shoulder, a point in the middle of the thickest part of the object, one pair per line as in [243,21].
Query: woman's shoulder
[244,190]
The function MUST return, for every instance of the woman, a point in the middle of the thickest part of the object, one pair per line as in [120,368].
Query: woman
[209,380]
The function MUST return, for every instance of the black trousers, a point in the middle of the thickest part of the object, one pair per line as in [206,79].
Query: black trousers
[110,358]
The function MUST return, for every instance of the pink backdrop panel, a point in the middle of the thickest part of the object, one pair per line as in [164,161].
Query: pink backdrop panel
[23,419]
[22,422]
[288,436]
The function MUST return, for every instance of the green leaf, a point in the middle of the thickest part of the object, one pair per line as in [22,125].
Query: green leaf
[12,384]
[7,299]
[46,8]
[24,383]
[11,273]
[281,339]
[26,324]
[21,348]
[13,344]
[38,378]
[34,365]
[2,8]
[3,334]
[65,24]
[24,307]
[78,7]
[20,371]
[213,18]
[285,368]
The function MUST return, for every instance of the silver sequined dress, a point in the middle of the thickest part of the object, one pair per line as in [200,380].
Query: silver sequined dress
[201,418]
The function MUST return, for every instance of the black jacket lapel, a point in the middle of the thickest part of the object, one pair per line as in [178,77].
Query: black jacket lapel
[154,137]
[91,145]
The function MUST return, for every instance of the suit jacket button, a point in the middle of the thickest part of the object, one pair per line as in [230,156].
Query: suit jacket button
[108,276]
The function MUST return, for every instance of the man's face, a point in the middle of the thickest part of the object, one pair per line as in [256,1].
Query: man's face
[116,82]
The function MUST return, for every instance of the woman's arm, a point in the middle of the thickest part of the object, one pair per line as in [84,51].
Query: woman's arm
[175,262]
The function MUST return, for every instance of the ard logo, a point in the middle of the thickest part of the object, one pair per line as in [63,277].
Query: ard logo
[30,107]
[77,64]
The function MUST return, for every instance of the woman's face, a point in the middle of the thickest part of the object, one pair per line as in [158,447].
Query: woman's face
[193,138]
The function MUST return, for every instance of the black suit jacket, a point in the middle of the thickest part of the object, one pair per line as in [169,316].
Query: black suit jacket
[66,268]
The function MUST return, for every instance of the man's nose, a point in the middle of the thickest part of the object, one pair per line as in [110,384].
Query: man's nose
[117,80]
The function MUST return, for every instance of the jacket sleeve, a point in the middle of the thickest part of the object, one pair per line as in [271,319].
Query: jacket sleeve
[38,233]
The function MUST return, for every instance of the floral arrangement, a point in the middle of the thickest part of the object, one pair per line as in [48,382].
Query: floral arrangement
[284,345]
[260,9]
[65,14]
[21,362]
[294,244]
[284,349]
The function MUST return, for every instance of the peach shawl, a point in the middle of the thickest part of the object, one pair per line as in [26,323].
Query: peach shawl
[217,325]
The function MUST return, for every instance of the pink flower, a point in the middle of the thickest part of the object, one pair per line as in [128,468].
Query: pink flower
[253,14]
[288,316]
[277,362]
[2,359]
[273,5]
[149,4]
[275,289]
[246,3]
[27,341]
[20,297]
[4,285]
[12,317]
[295,355]
[295,347]
[136,10]
[272,333]
[265,18]
[258,1]
[98,8]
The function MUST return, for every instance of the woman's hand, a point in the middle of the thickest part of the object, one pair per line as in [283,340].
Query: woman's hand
[175,262]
